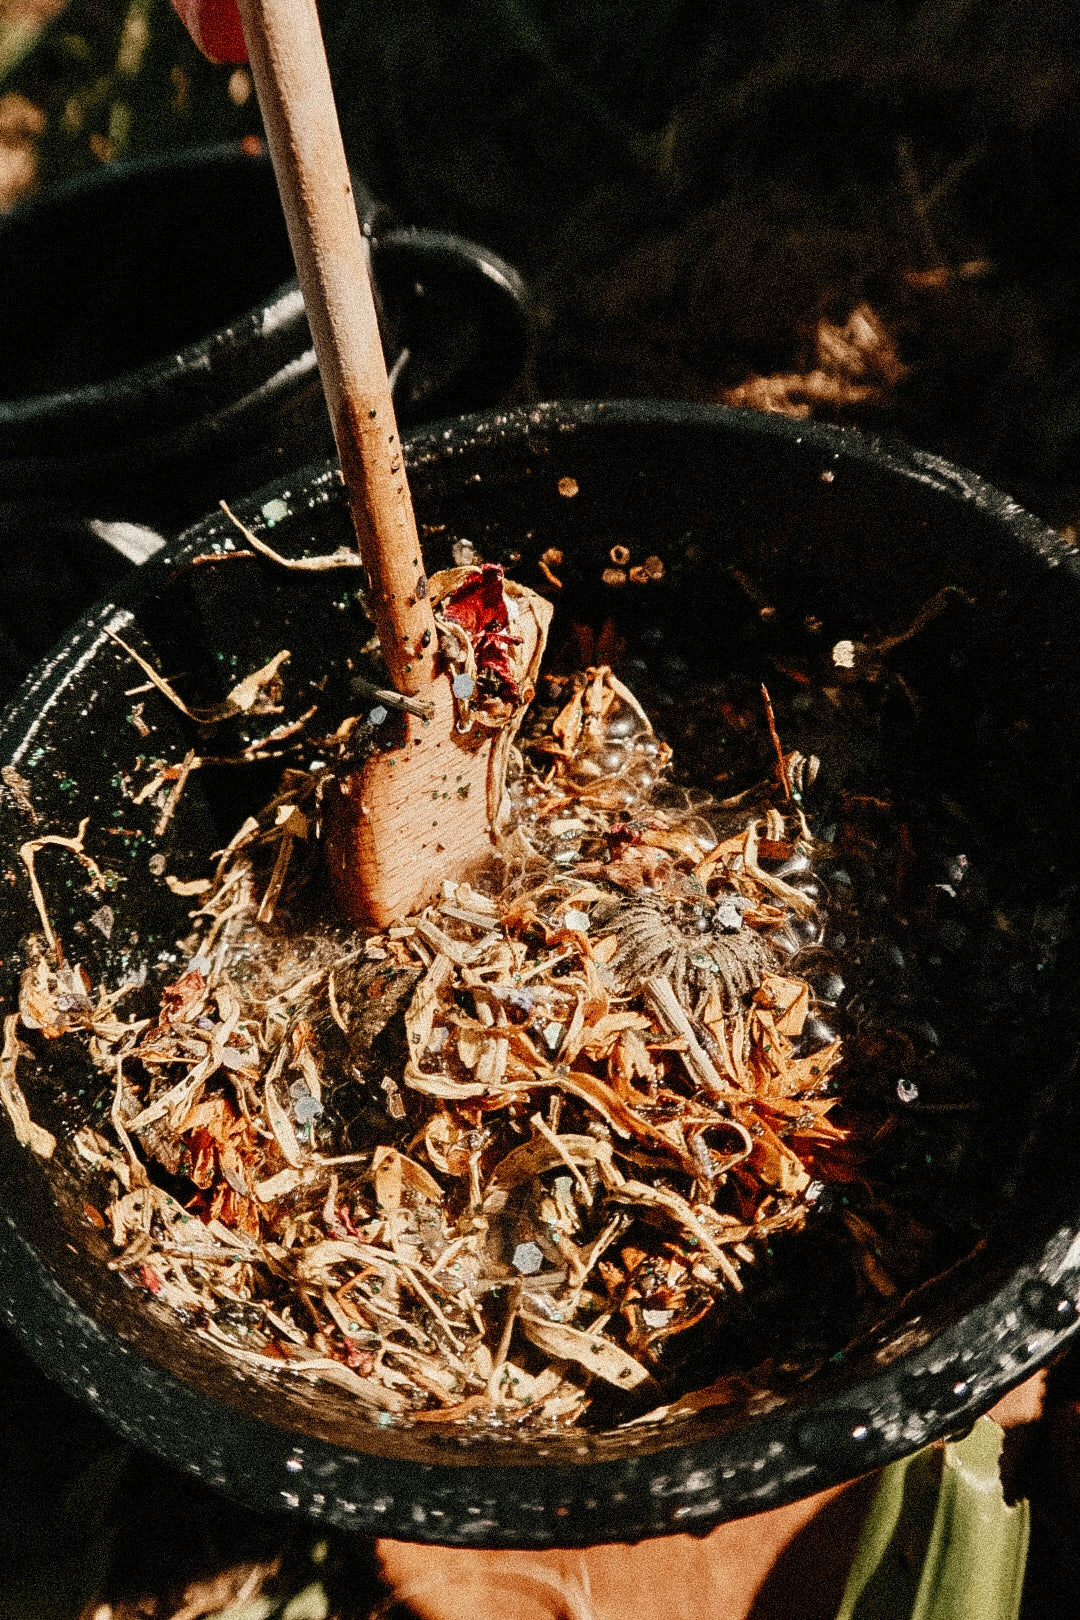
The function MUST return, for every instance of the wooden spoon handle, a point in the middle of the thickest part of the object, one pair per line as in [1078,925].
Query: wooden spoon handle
[292,80]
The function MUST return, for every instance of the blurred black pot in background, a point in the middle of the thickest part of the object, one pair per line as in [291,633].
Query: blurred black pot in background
[155,353]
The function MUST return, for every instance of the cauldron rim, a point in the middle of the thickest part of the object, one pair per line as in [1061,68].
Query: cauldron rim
[667,1485]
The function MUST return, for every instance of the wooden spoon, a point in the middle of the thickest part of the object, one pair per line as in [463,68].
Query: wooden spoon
[422,812]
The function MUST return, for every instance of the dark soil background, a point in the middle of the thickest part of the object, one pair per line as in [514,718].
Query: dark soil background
[690,190]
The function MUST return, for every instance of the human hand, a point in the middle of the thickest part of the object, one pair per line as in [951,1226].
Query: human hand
[215,27]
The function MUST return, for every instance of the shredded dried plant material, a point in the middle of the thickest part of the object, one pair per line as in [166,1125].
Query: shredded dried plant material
[492,1162]
[28,853]
[854,364]
[258,693]
[27,1133]
[343,557]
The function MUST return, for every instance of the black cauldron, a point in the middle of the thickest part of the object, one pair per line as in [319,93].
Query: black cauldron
[780,542]
[156,354]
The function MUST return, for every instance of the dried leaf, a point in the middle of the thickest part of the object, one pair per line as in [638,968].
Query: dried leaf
[537,1156]
[279,1186]
[393,1172]
[27,1134]
[788,999]
[592,1351]
[282,1127]
[28,853]
[257,693]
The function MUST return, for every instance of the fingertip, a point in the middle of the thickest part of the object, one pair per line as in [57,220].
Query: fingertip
[215,27]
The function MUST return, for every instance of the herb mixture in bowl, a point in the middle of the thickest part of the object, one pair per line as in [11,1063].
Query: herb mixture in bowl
[504,1157]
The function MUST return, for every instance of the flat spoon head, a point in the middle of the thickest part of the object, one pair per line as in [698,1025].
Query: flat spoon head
[434,806]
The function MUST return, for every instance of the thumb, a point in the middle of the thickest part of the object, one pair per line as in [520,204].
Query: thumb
[215,27]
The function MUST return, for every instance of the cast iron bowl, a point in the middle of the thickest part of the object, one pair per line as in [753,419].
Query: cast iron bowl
[156,354]
[777,538]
